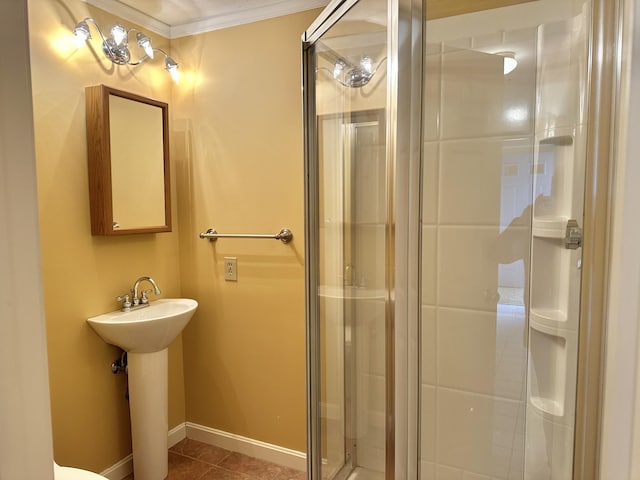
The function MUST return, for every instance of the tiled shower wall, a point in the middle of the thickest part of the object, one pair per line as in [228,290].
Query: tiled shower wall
[480,161]
[478,152]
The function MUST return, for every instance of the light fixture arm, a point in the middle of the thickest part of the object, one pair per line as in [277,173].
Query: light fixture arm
[139,61]
[96,26]
[166,55]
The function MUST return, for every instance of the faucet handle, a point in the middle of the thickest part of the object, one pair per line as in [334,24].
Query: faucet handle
[143,298]
[124,298]
[134,299]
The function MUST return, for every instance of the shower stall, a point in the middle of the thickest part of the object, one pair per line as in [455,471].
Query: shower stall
[450,152]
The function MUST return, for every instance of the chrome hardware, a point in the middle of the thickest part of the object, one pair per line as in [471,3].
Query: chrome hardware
[143,296]
[134,302]
[285,235]
[143,302]
[573,235]
[126,306]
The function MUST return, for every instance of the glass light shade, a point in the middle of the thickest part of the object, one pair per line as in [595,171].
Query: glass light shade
[118,32]
[145,43]
[81,33]
[366,64]
[338,68]
[172,68]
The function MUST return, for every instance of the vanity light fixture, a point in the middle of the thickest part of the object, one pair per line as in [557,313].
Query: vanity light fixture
[509,61]
[354,76]
[116,46]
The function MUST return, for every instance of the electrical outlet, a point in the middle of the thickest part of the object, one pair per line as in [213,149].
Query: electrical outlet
[231,269]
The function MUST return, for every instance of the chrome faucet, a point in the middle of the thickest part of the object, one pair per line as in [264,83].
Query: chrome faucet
[143,298]
[139,299]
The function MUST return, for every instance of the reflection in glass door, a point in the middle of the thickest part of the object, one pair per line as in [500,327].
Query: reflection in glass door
[350,86]
[351,296]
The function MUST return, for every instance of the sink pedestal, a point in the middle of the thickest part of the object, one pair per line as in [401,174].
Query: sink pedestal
[148,404]
[145,333]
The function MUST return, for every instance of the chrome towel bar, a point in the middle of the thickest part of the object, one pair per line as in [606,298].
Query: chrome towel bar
[285,235]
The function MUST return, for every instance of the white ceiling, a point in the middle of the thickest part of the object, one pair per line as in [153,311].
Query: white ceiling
[178,18]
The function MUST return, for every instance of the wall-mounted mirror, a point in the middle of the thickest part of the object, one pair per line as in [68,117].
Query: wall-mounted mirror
[128,153]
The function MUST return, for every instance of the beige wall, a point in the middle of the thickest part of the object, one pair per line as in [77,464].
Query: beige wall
[237,166]
[83,274]
[239,154]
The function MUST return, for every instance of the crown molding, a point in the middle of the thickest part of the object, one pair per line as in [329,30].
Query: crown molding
[241,17]
[216,22]
[136,16]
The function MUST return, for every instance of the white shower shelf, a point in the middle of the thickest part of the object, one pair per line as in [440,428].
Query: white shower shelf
[550,227]
[548,370]
[548,406]
[552,371]
[548,317]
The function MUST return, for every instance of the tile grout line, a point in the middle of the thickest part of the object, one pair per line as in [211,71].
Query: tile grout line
[212,468]
[203,461]
[204,474]
[217,466]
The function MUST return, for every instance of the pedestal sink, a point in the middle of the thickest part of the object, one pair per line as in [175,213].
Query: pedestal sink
[145,334]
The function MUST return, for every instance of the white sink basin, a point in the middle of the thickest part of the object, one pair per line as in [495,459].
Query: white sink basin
[146,330]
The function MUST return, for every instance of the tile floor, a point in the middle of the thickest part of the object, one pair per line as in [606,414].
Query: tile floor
[192,460]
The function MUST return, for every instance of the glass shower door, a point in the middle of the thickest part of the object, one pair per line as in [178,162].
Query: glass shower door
[363,84]
[348,191]
[494,251]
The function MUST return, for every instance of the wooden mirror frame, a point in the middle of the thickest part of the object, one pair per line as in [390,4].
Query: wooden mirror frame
[99,161]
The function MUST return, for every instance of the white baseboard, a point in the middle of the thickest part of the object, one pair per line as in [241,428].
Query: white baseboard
[125,466]
[229,441]
[120,470]
[254,448]
[177,434]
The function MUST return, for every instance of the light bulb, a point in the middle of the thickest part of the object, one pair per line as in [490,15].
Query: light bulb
[366,64]
[338,68]
[81,33]
[172,68]
[145,43]
[118,32]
